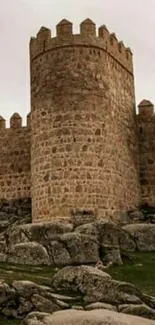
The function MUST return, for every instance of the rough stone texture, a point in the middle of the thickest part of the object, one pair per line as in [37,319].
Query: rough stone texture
[100,305]
[30,253]
[59,244]
[49,244]
[146,131]
[40,233]
[95,317]
[138,310]
[96,285]
[82,96]
[14,159]
[143,235]
[88,289]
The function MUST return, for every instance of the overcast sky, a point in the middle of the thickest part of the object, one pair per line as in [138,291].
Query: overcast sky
[132,20]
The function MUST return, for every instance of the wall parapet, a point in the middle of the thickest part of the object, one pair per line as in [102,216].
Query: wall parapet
[15,122]
[145,108]
[89,36]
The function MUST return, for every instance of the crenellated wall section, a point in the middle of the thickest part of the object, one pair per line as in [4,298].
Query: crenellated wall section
[100,39]
[15,159]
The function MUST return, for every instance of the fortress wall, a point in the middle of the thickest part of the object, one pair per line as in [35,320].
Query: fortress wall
[146,129]
[14,159]
[125,184]
[84,152]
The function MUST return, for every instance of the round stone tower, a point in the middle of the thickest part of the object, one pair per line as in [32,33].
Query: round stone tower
[84,142]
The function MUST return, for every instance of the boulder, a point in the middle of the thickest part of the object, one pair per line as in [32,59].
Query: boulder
[43,304]
[7,294]
[89,229]
[112,239]
[27,288]
[58,253]
[29,253]
[100,305]
[96,285]
[41,232]
[143,236]
[76,317]
[83,249]
[138,310]
[78,278]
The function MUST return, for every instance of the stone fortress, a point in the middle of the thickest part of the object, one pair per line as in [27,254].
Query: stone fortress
[84,149]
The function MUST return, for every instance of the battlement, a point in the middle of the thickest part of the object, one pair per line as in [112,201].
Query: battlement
[15,122]
[145,108]
[89,36]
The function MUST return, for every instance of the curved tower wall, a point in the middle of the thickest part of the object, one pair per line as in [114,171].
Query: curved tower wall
[146,130]
[83,140]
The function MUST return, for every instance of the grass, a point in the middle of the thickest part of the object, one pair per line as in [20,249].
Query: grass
[4,321]
[40,275]
[140,271]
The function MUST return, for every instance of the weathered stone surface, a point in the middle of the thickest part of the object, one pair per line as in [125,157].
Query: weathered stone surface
[138,310]
[143,235]
[100,305]
[83,249]
[136,216]
[78,278]
[36,318]
[26,288]
[30,253]
[95,317]
[58,253]
[89,229]
[44,305]
[6,293]
[96,285]
[111,254]
[40,233]
[149,300]
[112,239]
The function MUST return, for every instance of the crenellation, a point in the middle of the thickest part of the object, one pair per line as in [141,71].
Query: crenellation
[121,47]
[2,123]
[113,39]
[14,159]
[15,121]
[64,28]
[103,32]
[88,37]
[88,28]
[44,34]
[145,108]
[28,120]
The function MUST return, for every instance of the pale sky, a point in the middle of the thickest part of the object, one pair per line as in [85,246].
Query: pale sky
[132,20]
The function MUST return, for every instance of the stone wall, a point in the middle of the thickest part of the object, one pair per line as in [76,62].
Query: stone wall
[84,148]
[14,159]
[146,128]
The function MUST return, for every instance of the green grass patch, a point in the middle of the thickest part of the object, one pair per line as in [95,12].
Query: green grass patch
[139,270]
[5,321]
[40,275]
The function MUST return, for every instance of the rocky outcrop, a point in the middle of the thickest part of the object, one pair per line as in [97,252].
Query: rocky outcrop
[61,244]
[98,288]
[83,240]
[143,236]
[74,317]
[79,287]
